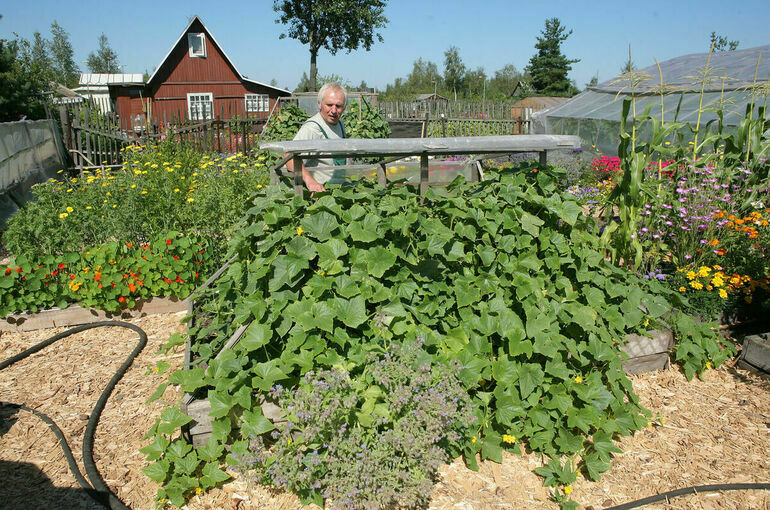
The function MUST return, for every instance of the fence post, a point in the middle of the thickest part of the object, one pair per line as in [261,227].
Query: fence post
[66,126]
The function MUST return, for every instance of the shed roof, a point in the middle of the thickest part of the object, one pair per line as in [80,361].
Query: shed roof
[105,79]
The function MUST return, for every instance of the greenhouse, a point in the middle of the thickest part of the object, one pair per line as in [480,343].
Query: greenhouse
[689,85]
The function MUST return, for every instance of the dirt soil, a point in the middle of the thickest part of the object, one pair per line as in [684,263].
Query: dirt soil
[715,430]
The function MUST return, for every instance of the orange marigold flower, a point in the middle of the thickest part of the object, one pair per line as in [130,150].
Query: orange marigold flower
[131,287]
[720,251]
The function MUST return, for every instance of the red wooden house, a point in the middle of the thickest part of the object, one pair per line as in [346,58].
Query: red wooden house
[196,80]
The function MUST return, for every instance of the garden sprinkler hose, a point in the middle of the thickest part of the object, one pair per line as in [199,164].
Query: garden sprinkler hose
[664,497]
[97,488]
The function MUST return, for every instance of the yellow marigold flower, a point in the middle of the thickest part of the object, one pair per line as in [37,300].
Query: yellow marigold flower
[288,441]
[154,165]
[63,215]
[690,275]
[176,190]
[259,186]
[509,439]
[709,365]
[709,287]
[717,281]
[74,286]
[235,171]
[69,209]
[568,490]
[723,293]
[243,165]
[473,440]
[198,491]
[191,199]
[143,192]
[133,186]
[578,379]
[682,289]
[704,271]
[88,208]
[696,285]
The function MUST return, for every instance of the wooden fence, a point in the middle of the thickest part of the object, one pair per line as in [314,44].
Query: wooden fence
[482,110]
[95,137]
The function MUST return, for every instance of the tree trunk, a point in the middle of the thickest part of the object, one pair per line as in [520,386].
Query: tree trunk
[313,70]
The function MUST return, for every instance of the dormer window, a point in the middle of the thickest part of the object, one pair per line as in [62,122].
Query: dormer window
[197,44]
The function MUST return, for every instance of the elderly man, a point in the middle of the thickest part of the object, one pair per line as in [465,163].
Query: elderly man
[325,124]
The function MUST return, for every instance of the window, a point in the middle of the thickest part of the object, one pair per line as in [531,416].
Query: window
[200,106]
[257,103]
[197,44]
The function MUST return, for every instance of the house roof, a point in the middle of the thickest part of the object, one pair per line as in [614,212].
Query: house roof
[426,97]
[104,79]
[544,101]
[210,37]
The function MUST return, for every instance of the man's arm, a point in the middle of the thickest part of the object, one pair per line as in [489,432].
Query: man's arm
[310,182]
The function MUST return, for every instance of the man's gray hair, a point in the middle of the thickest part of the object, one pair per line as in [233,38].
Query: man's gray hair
[334,86]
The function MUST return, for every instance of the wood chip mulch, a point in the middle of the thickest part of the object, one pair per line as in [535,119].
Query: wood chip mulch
[714,430]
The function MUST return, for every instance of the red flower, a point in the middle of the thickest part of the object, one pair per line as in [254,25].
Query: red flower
[131,287]
[72,277]
[7,271]
[176,258]
[18,269]
[122,299]
[168,242]
[62,266]
[53,273]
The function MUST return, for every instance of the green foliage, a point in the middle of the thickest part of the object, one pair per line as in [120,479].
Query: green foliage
[65,69]
[364,121]
[105,60]
[549,67]
[21,87]
[331,24]
[503,276]
[454,70]
[372,440]
[111,276]
[285,125]
[166,188]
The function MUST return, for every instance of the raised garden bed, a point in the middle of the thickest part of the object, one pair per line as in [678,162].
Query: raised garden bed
[756,353]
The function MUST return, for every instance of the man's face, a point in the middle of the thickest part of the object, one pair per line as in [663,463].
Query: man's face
[332,106]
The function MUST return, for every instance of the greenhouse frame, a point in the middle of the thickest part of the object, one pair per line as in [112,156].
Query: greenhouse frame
[689,84]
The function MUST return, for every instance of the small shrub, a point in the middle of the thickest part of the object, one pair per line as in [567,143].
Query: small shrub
[326,450]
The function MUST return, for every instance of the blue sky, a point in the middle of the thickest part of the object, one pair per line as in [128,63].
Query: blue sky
[488,33]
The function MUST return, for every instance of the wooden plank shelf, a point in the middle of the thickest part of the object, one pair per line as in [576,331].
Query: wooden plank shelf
[76,315]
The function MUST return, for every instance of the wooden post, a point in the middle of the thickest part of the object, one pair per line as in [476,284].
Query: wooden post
[299,186]
[424,130]
[423,173]
[543,160]
[382,178]
[66,126]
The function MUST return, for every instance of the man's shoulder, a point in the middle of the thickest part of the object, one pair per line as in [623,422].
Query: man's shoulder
[309,130]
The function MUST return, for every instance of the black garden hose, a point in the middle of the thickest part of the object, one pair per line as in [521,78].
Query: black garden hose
[691,490]
[97,489]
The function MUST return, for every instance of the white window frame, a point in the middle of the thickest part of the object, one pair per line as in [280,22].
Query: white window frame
[190,38]
[257,103]
[200,106]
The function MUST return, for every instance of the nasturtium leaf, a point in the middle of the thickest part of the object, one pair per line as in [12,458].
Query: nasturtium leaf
[352,312]
[255,336]
[379,260]
[320,225]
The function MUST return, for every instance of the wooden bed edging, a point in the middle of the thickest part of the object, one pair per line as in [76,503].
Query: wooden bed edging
[75,315]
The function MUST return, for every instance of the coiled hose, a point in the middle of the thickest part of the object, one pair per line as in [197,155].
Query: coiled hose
[97,488]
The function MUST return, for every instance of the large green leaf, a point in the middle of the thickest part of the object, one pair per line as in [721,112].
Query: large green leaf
[364,230]
[379,260]
[255,336]
[352,312]
[320,225]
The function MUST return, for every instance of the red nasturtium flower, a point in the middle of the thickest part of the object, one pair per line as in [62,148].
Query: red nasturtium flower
[7,271]
[122,299]
[129,245]
[168,242]
[132,287]
[62,265]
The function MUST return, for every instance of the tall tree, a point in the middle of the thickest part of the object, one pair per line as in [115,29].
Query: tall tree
[331,24]
[65,69]
[722,44]
[21,93]
[105,60]
[503,83]
[424,77]
[475,83]
[454,70]
[549,67]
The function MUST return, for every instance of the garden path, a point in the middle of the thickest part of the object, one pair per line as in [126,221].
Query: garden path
[716,430]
